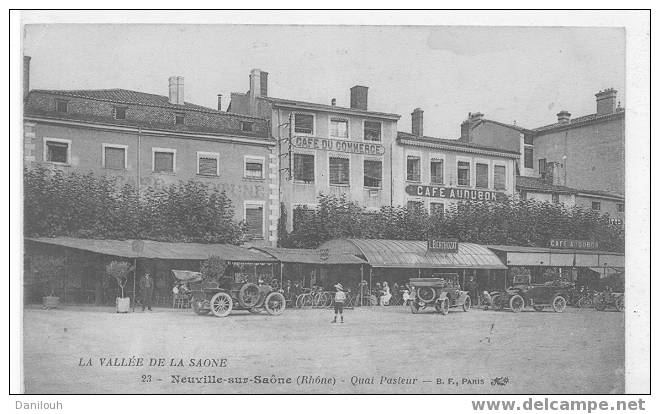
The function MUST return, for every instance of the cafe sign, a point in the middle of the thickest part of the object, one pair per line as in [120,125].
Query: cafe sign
[339,145]
[573,244]
[453,193]
[442,245]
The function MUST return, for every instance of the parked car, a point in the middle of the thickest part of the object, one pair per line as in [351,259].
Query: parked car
[607,299]
[539,296]
[440,293]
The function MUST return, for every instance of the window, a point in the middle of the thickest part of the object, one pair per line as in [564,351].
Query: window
[57,151]
[304,123]
[499,177]
[247,126]
[555,198]
[371,131]
[339,171]
[595,205]
[621,207]
[208,163]
[437,171]
[437,209]
[254,217]
[542,165]
[414,205]
[338,128]
[254,167]
[119,112]
[62,105]
[114,157]
[412,169]
[163,160]
[482,175]
[179,118]
[303,168]
[463,173]
[529,157]
[373,173]
[528,140]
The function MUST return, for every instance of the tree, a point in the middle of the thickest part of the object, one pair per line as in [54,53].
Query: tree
[119,272]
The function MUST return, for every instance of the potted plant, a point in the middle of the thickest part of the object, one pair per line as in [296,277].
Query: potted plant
[119,272]
[46,269]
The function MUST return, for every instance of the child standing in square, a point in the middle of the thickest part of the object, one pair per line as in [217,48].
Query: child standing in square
[340,298]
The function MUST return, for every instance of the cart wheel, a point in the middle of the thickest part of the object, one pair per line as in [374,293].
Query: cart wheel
[248,295]
[559,304]
[443,306]
[467,304]
[198,307]
[619,304]
[414,307]
[221,304]
[275,303]
[538,308]
[516,303]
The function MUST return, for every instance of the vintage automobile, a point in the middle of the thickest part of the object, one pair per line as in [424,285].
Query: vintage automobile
[604,300]
[539,296]
[220,297]
[442,292]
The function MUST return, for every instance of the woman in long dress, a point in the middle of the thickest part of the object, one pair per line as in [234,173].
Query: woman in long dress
[385,298]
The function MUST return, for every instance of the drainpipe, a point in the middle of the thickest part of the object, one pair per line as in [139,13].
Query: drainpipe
[392,172]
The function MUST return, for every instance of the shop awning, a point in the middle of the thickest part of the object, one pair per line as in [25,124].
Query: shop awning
[414,254]
[309,256]
[545,256]
[150,249]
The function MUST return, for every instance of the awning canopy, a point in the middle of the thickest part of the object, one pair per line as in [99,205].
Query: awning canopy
[309,256]
[545,256]
[150,249]
[414,254]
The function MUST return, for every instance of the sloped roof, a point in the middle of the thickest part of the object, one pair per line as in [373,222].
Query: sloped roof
[158,250]
[540,185]
[516,127]
[599,193]
[309,256]
[582,120]
[330,108]
[414,254]
[456,144]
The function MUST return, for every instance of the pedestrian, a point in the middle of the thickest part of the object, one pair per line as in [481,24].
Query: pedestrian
[340,298]
[147,288]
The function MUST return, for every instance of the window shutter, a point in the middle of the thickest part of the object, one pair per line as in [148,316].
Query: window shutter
[254,217]
[164,162]
[304,123]
[482,176]
[208,166]
[413,173]
[500,177]
[373,173]
[303,167]
[254,169]
[437,171]
[371,131]
[115,158]
[339,171]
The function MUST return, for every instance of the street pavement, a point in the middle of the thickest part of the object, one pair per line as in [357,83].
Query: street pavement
[377,350]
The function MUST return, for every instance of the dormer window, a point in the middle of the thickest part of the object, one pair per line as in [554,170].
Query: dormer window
[179,118]
[247,126]
[119,112]
[62,106]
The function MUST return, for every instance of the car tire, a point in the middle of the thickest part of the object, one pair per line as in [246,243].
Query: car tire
[221,304]
[426,294]
[442,306]
[467,304]
[619,304]
[559,303]
[516,303]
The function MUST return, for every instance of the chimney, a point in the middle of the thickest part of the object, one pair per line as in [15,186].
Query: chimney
[476,117]
[333,102]
[176,90]
[258,83]
[26,76]
[219,102]
[468,124]
[418,122]
[606,101]
[564,117]
[359,97]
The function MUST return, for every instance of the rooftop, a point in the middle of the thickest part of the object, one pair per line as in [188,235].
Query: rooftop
[330,108]
[579,121]
[540,185]
[458,144]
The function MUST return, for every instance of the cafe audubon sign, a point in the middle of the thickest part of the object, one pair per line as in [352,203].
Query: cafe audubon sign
[454,193]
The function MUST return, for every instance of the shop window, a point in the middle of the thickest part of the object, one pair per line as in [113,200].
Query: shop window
[254,218]
[373,173]
[482,175]
[114,157]
[338,128]
[463,173]
[437,171]
[372,131]
[303,168]
[254,168]
[57,151]
[595,205]
[438,209]
[339,171]
[207,163]
[304,123]
[412,169]
[499,173]
[163,161]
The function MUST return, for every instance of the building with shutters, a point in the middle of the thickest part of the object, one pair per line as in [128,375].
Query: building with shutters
[155,141]
[326,149]
[434,173]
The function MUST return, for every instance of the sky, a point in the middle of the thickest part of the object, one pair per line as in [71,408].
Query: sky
[511,74]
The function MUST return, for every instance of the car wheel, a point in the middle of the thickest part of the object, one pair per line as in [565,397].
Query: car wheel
[275,303]
[619,304]
[559,304]
[516,303]
[443,306]
[467,304]
[426,294]
[221,304]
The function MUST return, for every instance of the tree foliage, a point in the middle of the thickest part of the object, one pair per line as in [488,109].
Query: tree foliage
[512,221]
[119,271]
[89,206]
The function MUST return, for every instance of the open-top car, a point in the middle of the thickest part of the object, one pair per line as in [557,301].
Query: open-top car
[607,299]
[441,293]
[539,296]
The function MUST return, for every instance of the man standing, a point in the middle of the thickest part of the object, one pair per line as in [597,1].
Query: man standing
[340,298]
[147,288]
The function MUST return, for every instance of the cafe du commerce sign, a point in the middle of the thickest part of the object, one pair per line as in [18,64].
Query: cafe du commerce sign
[455,193]
[573,244]
[351,147]
[442,245]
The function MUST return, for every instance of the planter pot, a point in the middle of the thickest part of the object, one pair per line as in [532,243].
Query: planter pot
[50,302]
[123,305]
